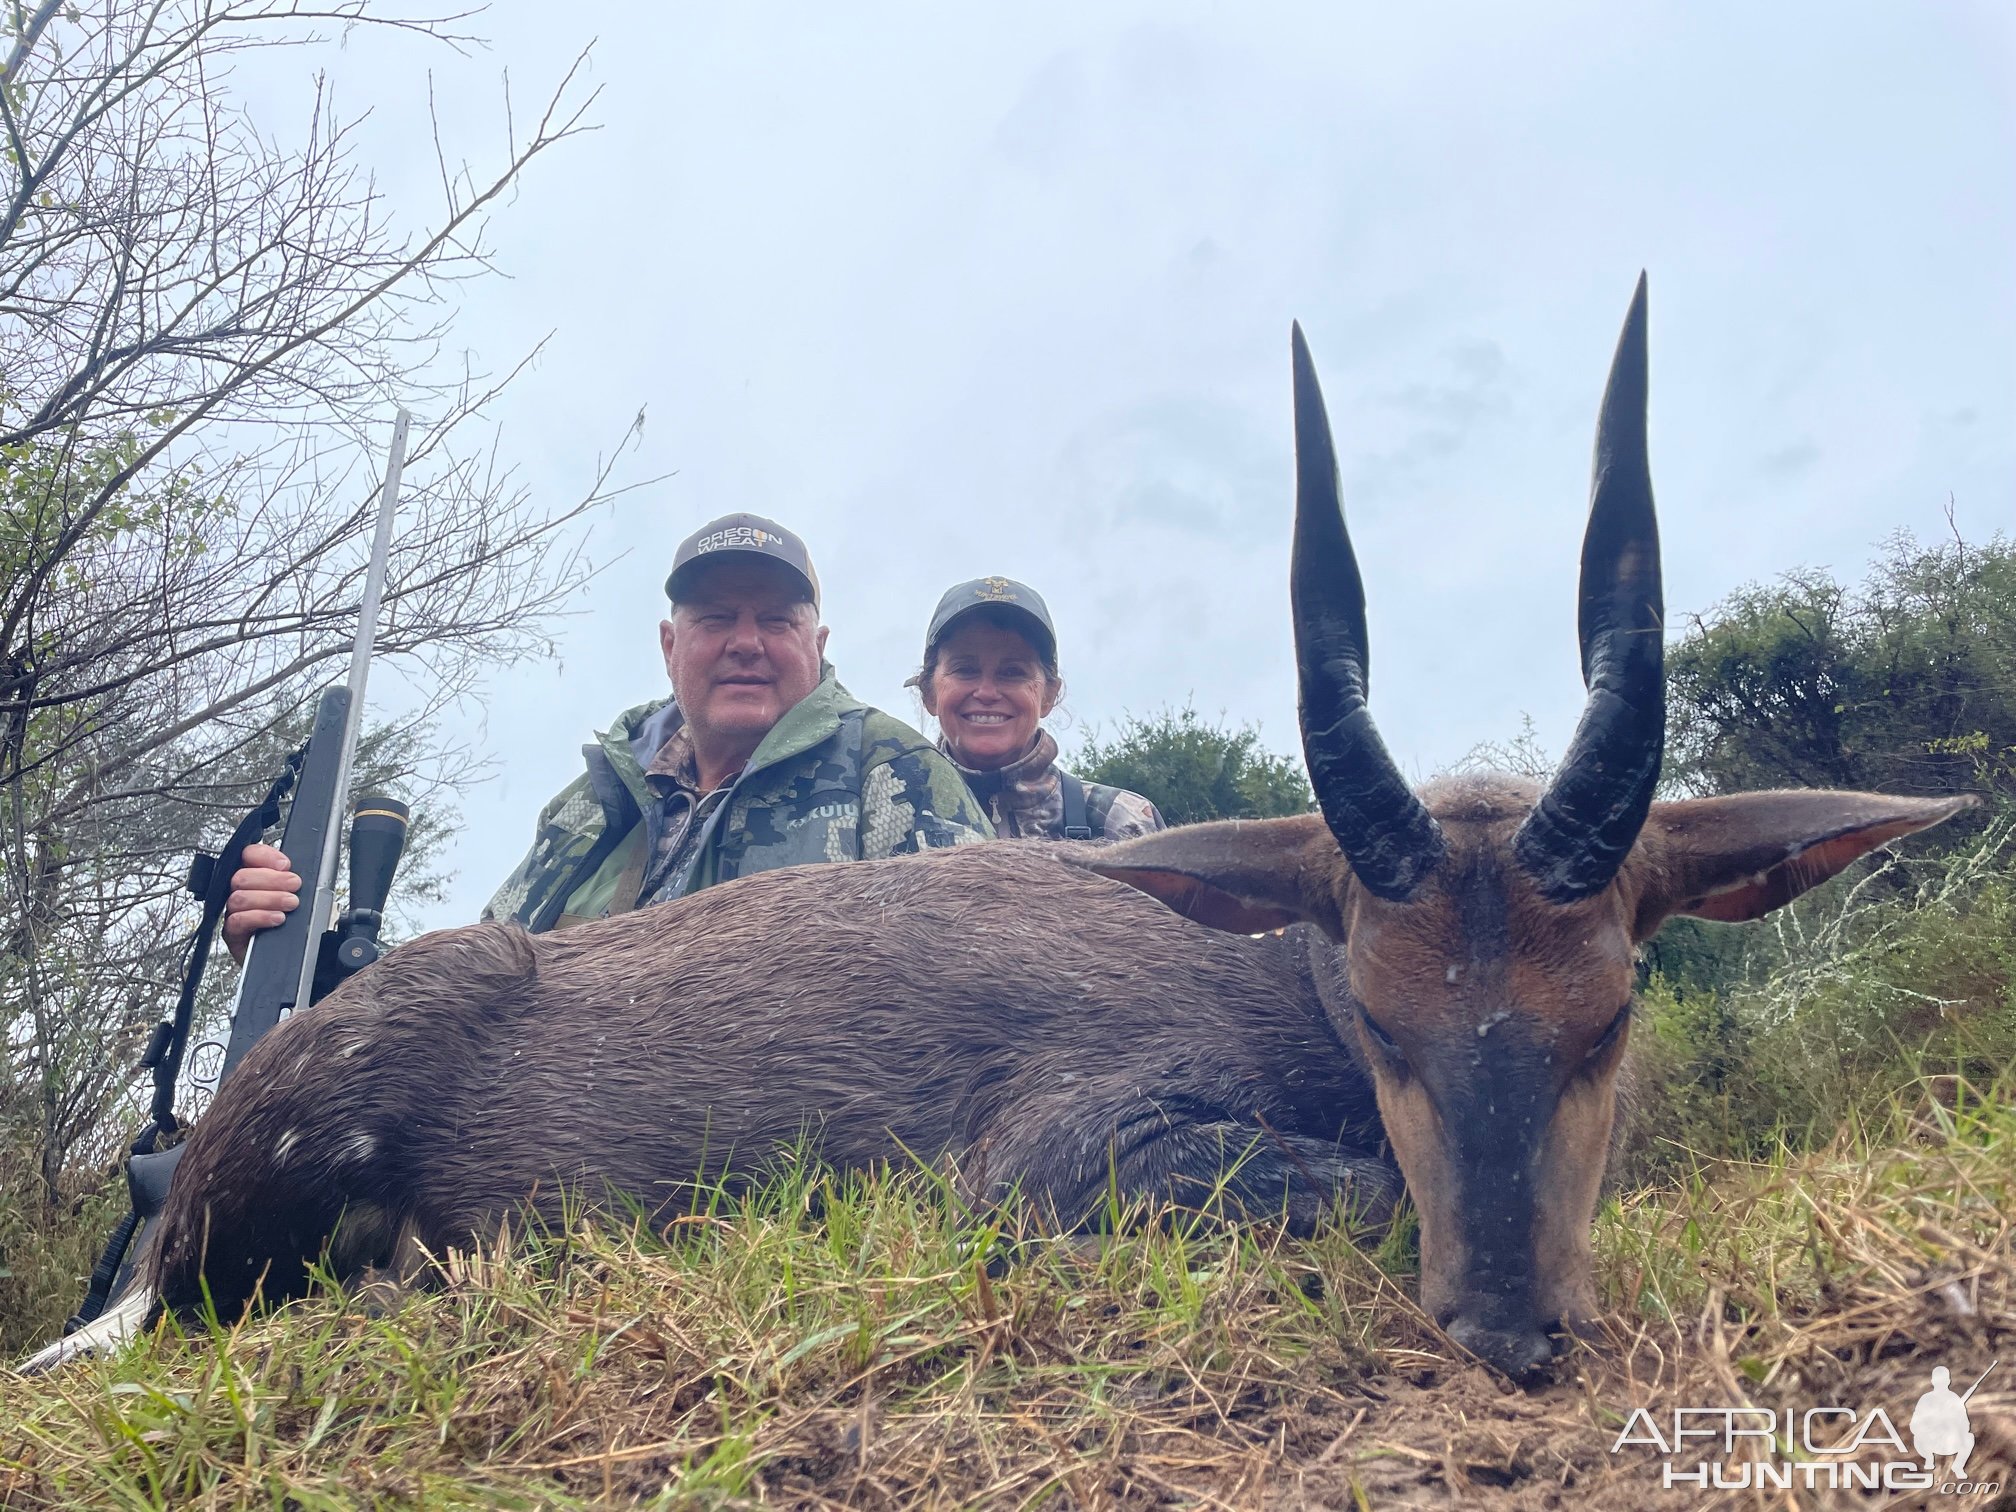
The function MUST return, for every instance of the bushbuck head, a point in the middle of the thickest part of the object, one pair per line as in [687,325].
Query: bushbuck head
[1488,927]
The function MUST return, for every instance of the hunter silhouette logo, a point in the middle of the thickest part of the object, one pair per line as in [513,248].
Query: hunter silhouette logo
[1831,1447]
[1939,1423]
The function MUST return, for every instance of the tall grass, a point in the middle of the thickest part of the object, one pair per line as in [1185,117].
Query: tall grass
[47,1250]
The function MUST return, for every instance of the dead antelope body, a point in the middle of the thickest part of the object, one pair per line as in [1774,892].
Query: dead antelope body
[1456,987]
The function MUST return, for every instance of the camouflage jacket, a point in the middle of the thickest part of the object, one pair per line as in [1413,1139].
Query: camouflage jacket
[834,780]
[1025,799]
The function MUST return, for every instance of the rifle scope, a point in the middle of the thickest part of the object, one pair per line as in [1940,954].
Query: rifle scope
[377,837]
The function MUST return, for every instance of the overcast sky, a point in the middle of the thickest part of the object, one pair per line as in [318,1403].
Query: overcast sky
[953,291]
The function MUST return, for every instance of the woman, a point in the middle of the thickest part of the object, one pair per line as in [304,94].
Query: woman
[989,678]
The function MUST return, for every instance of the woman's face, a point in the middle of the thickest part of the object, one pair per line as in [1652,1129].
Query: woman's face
[988,690]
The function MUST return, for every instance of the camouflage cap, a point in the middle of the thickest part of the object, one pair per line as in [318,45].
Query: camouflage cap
[740,533]
[998,592]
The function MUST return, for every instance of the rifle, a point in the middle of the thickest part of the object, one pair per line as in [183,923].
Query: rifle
[296,963]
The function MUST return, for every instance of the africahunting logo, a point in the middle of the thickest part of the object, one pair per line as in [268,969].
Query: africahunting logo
[1835,1448]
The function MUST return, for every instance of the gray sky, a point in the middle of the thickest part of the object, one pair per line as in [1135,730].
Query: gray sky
[954,292]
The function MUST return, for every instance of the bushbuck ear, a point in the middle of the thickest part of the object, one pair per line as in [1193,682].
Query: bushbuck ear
[1245,876]
[1739,857]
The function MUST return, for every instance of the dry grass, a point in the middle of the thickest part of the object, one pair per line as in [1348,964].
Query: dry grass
[863,1344]
[45,1249]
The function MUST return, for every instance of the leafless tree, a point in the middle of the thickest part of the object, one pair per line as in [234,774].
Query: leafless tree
[202,331]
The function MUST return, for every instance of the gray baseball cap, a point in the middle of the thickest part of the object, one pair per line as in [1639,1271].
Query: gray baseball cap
[746,533]
[999,592]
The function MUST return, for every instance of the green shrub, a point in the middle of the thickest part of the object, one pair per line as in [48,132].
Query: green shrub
[1851,994]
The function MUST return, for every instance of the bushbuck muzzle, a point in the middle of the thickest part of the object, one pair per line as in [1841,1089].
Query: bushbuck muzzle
[1488,927]
[1012,1009]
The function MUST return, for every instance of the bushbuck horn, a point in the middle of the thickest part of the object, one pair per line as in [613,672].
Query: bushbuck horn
[1383,829]
[1583,827]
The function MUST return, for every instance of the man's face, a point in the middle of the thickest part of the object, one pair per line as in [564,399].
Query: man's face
[742,646]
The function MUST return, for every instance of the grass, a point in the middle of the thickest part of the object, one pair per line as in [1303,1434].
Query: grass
[46,1251]
[826,1334]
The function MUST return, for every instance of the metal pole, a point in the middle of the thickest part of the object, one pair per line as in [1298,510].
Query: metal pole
[360,666]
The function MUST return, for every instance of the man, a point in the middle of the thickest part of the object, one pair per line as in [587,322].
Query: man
[760,759]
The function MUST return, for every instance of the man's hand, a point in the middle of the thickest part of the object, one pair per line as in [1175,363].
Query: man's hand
[263,892]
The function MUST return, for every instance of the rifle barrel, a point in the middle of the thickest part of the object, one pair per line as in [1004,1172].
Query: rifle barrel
[360,667]
[1977,1384]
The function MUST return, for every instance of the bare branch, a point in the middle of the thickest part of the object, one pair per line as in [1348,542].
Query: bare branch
[204,330]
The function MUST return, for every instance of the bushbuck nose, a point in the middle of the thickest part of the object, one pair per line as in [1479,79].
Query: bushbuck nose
[1518,1352]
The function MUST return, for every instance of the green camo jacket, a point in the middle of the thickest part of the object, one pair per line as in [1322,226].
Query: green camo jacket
[834,780]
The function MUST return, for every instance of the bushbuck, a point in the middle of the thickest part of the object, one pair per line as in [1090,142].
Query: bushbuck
[1454,981]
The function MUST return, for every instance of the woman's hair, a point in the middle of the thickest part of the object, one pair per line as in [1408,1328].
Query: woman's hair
[1003,617]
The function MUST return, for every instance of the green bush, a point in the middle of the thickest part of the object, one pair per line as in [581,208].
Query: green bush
[1845,997]
[1194,770]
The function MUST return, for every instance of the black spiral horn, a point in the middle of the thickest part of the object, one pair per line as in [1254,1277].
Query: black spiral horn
[1385,832]
[1585,824]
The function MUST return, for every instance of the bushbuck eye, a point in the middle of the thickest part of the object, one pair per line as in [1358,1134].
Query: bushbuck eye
[1379,1036]
[1597,1050]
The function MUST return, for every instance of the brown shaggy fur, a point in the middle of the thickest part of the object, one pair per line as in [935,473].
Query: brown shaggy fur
[1047,1028]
